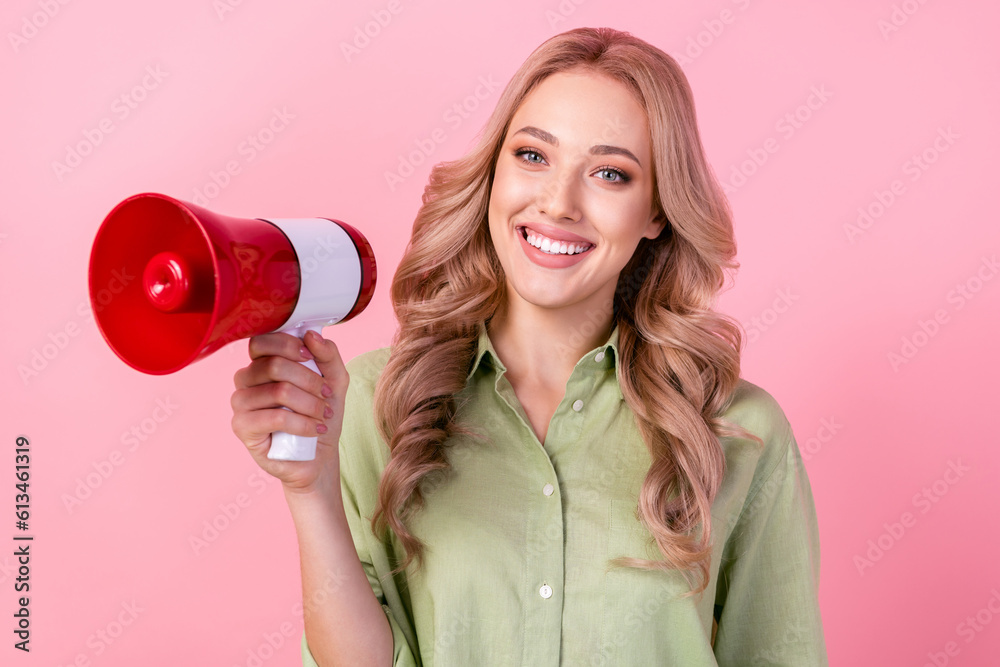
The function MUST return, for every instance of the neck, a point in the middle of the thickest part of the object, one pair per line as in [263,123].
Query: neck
[541,346]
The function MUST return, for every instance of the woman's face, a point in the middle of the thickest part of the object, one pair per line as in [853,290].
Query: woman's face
[575,176]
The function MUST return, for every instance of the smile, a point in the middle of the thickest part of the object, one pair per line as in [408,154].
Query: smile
[552,246]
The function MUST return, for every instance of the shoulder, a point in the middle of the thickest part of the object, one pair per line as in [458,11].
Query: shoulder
[361,445]
[753,408]
[756,410]
[364,369]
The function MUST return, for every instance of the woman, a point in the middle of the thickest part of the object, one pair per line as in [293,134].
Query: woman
[557,461]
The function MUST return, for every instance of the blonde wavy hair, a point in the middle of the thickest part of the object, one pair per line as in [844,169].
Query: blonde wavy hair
[680,361]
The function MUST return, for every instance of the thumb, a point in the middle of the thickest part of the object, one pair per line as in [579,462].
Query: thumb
[330,365]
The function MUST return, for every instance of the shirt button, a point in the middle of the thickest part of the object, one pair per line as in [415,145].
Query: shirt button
[578,405]
[599,356]
[545,591]
[548,489]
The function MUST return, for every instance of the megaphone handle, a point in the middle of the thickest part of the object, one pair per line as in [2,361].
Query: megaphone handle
[286,446]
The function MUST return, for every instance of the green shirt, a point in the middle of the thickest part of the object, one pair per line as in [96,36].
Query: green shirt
[518,535]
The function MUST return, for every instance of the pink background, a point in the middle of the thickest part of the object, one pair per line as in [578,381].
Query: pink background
[826,308]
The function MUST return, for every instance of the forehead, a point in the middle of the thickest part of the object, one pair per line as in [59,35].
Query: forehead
[585,108]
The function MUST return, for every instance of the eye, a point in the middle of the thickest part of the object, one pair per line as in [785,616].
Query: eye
[613,175]
[608,173]
[528,155]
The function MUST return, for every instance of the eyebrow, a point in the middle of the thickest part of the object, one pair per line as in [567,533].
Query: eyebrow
[601,149]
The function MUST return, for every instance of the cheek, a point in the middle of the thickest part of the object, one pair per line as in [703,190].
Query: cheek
[626,220]
[494,211]
[497,214]
[510,193]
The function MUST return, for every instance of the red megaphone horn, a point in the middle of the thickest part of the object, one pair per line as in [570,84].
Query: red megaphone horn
[188,281]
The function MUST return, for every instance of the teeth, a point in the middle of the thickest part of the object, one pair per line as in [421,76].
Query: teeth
[553,247]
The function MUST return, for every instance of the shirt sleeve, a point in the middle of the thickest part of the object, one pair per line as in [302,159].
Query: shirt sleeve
[767,605]
[363,456]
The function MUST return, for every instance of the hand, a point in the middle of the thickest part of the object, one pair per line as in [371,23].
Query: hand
[275,378]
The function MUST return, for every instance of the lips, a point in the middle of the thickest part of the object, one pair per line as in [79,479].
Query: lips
[553,233]
[548,246]
[548,259]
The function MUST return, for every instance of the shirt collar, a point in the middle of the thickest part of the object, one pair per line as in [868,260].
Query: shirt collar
[486,357]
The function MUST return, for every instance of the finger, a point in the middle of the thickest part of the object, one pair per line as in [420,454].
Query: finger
[281,394]
[278,344]
[254,428]
[272,344]
[329,362]
[278,369]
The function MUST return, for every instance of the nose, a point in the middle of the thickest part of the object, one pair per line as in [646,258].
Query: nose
[559,195]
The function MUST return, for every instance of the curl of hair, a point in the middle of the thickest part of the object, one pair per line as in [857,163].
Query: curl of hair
[680,360]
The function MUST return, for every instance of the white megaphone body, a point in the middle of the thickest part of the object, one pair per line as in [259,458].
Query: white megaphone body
[203,280]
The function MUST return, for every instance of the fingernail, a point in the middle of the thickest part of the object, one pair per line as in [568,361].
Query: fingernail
[327,391]
[305,353]
[328,412]
[321,428]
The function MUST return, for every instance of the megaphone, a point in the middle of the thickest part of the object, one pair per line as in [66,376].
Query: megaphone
[171,283]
